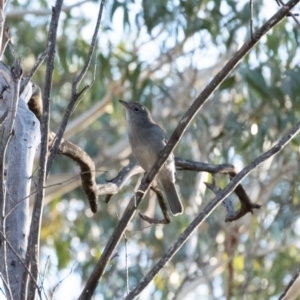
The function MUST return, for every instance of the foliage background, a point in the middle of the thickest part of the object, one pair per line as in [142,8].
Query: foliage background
[162,54]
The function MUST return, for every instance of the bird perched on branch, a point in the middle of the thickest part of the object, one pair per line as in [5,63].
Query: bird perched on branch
[147,140]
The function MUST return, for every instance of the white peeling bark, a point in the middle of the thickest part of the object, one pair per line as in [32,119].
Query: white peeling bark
[21,152]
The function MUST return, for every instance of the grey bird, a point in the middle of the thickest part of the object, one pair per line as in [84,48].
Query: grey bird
[147,140]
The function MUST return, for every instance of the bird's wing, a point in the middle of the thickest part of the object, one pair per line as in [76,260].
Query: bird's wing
[159,134]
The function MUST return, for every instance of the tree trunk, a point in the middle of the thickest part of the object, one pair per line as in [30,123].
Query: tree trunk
[21,152]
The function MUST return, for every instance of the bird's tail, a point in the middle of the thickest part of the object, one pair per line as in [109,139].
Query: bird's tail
[172,196]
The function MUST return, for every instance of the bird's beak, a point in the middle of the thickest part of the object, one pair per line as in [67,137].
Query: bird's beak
[124,103]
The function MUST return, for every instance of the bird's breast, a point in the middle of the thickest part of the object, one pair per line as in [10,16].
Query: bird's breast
[146,145]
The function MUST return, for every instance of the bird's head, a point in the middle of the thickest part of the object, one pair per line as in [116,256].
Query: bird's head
[136,112]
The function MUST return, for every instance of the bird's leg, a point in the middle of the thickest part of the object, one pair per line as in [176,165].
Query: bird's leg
[140,191]
[163,207]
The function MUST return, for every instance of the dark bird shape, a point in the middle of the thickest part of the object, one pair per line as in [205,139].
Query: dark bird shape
[147,140]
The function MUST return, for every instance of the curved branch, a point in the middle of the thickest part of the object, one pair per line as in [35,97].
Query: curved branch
[87,167]
[113,186]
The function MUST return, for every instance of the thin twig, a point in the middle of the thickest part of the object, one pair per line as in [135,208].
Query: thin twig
[43,276]
[19,258]
[5,41]
[99,269]
[290,14]
[251,18]
[32,253]
[59,283]
[3,292]
[126,265]
[203,215]
[75,94]
[126,261]
[143,228]
[36,65]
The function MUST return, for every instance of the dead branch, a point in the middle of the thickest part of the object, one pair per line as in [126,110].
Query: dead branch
[36,65]
[87,167]
[114,185]
[226,203]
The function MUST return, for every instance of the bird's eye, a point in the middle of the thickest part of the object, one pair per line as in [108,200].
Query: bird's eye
[136,109]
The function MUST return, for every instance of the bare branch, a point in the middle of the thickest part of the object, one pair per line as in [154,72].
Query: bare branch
[292,291]
[32,253]
[75,95]
[290,14]
[203,215]
[87,167]
[36,65]
[126,265]
[115,185]
[5,42]
[174,140]
[226,203]
[43,276]
[59,283]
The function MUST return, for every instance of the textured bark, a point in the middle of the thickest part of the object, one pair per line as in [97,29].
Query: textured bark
[21,153]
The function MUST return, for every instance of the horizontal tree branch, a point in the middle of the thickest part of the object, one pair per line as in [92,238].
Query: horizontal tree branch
[114,185]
